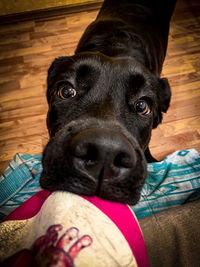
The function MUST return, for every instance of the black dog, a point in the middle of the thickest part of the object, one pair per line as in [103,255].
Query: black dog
[105,100]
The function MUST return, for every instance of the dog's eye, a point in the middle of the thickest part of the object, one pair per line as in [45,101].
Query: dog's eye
[142,107]
[66,91]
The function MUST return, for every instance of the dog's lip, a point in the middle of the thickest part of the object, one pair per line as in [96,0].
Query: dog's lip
[100,190]
[84,190]
[101,187]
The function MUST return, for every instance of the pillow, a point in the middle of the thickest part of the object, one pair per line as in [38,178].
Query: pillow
[64,229]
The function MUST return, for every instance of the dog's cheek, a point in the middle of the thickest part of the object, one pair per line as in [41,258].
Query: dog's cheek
[51,124]
[56,119]
[48,122]
[47,178]
[52,161]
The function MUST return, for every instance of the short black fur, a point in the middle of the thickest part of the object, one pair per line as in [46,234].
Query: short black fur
[99,137]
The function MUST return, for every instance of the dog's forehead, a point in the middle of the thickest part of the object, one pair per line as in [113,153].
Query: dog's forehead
[115,72]
[112,64]
[95,64]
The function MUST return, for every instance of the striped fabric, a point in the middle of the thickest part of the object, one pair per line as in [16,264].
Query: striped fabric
[19,182]
[171,182]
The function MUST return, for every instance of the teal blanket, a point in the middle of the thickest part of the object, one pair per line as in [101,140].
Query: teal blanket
[171,182]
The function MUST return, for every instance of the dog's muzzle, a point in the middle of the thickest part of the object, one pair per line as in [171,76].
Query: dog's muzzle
[95,161]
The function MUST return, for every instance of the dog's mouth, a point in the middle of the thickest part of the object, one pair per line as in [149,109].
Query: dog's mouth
[127,192]
[95,161]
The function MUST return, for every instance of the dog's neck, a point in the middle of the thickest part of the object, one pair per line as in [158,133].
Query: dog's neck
[140,33]
[121,44]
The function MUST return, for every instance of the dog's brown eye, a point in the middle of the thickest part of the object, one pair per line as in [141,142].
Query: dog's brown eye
[142,107]
[66,91]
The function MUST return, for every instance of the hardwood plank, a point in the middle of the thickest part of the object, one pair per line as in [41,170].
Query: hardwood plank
[23,93]
[162,146]
[19,27]
[181,126]
[14,38]
[23,127]
[25,51]
[33,144]
[183,110]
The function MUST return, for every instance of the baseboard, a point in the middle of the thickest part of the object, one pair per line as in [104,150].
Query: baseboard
[50,12]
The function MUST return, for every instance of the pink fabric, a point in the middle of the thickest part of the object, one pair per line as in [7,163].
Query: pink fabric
[29,208]
[124,219]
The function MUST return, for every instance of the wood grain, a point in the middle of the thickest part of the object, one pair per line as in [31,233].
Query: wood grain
[28,48]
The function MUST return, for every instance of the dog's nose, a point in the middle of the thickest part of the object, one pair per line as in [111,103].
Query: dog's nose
[102,154]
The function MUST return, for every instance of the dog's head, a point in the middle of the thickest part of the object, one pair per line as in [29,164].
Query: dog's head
[101,113]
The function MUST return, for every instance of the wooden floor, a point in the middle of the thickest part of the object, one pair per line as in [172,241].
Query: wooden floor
[27,49]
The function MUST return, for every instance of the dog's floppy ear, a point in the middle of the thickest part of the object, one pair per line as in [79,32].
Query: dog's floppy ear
[163,96]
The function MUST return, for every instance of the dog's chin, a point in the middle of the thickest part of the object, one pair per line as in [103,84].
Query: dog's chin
[119,194]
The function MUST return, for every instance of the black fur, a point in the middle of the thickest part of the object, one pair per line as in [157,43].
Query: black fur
[118,61]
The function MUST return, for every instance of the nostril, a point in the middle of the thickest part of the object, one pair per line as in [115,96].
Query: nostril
[91,155]
[123,160]
[87,153]
[69,129]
